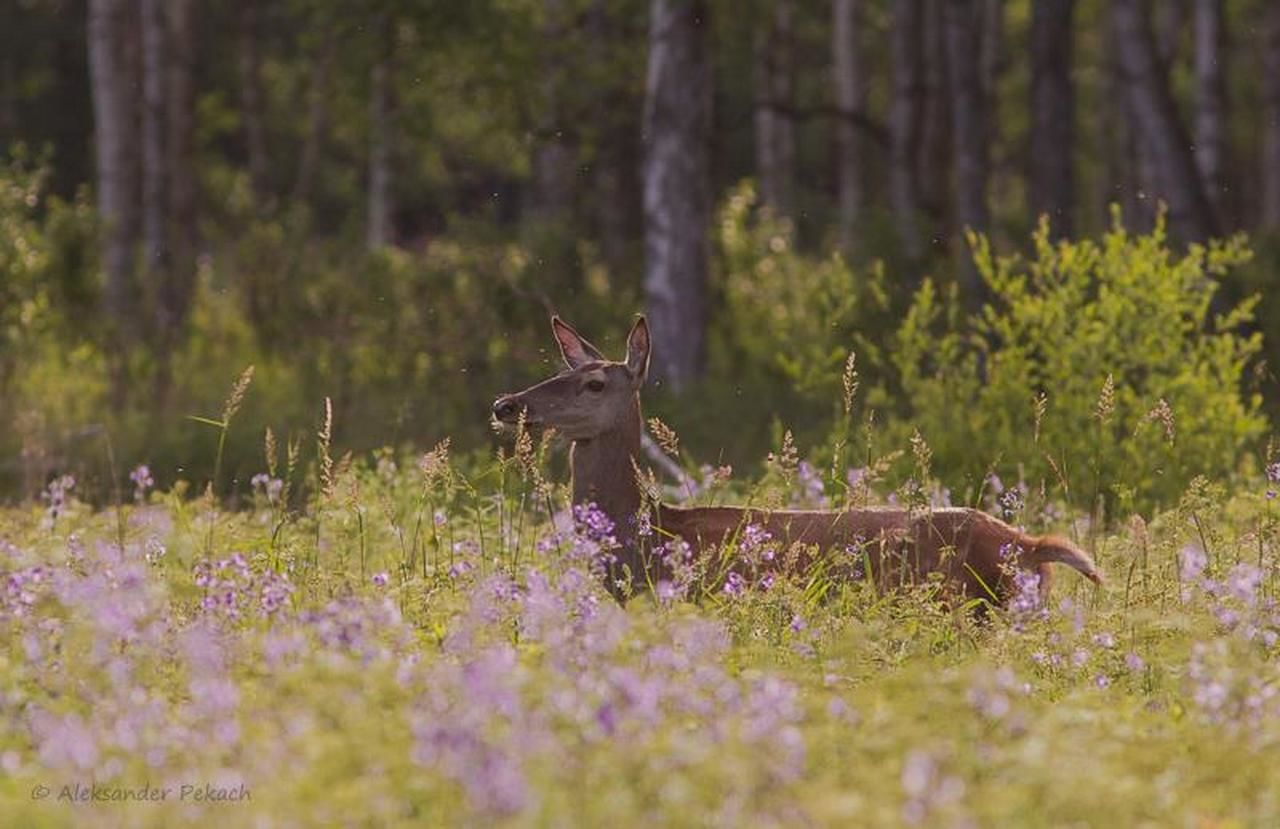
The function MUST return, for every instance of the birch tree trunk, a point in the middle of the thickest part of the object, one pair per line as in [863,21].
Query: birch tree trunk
[380,230]
[1052,142]
[115,144]
[1211,100]
[677,199]
[905,115]
[1270,166]
[774,109]
[1158,125]
[850,96]
[963,23]
[249,67]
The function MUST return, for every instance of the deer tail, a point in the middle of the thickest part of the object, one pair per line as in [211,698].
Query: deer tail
[1053,548]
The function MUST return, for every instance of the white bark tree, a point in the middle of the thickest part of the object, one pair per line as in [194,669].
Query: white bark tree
[677,192]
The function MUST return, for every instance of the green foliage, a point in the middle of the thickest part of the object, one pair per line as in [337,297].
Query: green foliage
[1140,375]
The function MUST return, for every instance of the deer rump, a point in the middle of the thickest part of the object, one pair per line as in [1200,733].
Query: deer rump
[975,553]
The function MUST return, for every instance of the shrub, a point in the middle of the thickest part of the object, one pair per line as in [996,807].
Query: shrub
[1103,368]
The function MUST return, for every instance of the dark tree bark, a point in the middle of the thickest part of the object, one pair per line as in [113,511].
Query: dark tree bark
[116,145]
[380,230]
[1270,166]
[554,162]
[252,100]
[1052,150]
[775,135]
[906,110]
[963,23]
[616,160]
[175,297]
[1211,101]
[677,198]
[1158,125]
[933,157]
[850,95]
[155,158]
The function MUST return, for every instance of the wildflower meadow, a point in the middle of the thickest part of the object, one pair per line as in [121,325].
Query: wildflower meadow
[426,640]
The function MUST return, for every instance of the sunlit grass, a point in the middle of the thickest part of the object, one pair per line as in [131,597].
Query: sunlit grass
[441,654]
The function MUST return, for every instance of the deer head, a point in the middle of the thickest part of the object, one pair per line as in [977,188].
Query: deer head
[592,396]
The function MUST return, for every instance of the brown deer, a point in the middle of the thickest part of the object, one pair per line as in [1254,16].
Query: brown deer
[595,403]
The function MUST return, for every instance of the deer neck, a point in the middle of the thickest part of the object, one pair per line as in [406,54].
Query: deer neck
[604,471]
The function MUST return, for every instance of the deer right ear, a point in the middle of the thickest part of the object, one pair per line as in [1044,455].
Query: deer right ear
[575,350]
[638,348]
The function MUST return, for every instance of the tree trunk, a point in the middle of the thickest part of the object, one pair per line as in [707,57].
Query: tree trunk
[963,23]
[933,157]
[1170,21]
[905,115]
[554,164]
[249,67]
[677,198]
[774,105]
[850,95]
[175,297]
[1052,142]
[155,159]
[1158,125]
[317,118]
[381,231]
[615,163]
[116,145]
[1270,166]
[1211,101]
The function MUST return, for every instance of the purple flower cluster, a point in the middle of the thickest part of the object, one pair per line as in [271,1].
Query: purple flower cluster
[232,590]
[142,482]
[928,789]
[489,722]
[810,491]
[267,486]
[57,496]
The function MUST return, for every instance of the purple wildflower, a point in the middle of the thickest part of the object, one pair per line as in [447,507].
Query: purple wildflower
[142,481]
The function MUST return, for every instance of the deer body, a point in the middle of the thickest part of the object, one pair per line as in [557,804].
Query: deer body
[596,404]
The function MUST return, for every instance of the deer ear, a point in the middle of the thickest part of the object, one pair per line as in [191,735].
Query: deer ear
[575,350]
[638,348]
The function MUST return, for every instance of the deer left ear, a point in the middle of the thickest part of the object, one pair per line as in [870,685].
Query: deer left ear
[638,351]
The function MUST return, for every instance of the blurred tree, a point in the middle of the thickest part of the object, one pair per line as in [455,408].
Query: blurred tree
[963,23]
[112,40]
[677,197]
[380,230]
[906,112]
[1211,101]
[775,104]
[1052,138]
[850,97]
[252,98]
[1269,165]
[1158,125]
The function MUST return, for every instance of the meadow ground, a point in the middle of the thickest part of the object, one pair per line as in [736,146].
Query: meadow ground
[409,646]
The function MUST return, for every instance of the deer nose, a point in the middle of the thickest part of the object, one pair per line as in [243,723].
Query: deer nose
[506,408]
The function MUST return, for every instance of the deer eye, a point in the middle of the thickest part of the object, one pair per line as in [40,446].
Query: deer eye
[595,385]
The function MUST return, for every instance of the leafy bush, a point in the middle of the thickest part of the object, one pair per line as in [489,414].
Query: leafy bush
[1100,367]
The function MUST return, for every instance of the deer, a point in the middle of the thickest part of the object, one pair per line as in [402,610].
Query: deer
[594,403]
